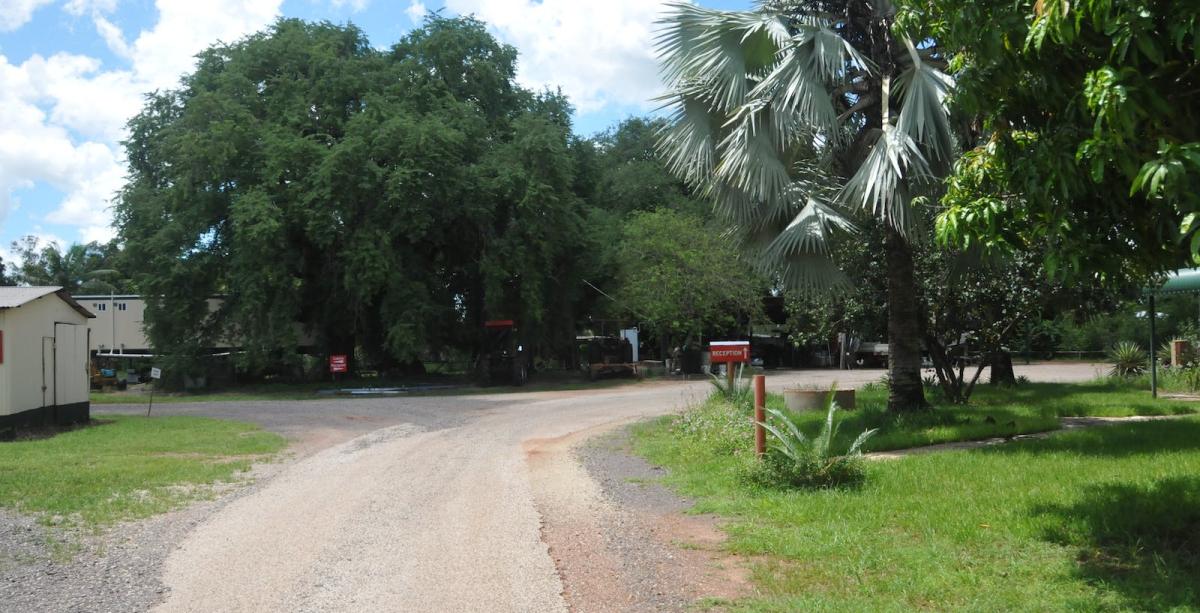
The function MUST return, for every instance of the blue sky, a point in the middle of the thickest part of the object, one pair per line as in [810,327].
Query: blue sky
[73,71]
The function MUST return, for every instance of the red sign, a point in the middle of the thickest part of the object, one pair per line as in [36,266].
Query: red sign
[337,363]
[729,352]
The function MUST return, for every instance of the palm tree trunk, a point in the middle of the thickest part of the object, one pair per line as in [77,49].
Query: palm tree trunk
[904,327]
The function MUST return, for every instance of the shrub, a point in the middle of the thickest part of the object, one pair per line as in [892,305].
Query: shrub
[1128,359]
[718,425]
[795,460]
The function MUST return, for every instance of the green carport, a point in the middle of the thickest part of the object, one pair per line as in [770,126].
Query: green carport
[1182,281]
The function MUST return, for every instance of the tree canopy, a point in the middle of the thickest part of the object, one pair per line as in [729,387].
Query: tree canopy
[78,268]
[342,197]
[682,277]
[1086,135]
[392,200]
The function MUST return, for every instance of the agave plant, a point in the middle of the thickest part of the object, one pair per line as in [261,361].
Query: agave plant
[797,460]
[1128,359]
[799,114]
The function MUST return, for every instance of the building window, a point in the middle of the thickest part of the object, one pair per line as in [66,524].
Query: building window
[121,306]
[100,306]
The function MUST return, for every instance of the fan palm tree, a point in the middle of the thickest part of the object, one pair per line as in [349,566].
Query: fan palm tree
[796,116]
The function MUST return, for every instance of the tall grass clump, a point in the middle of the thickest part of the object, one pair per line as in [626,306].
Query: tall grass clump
[740,393]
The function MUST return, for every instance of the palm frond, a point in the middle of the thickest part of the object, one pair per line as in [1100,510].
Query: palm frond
[798,97]
[829,55]
[878,184]
[749,155]
[856,446]
[825,437]
[811,231]
[723,49]
[807,272]
[924,117]
[688,142]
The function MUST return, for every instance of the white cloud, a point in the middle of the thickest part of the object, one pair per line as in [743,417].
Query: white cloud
[186,27]
[416,11]
[64,115]
[16,13]
[113,37]
[83,7]
[600,52]
[355,5]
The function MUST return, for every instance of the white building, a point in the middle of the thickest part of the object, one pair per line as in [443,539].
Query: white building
[44,376]
[118,327]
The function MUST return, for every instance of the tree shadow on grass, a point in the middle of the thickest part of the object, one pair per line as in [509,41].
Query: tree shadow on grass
[1140,541]
[1078,399]
[1115,441]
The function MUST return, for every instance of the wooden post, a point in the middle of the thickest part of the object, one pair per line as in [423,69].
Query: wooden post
[729,377]
[760,403]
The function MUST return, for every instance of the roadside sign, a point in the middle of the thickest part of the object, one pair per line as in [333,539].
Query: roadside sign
[729,352]
[155,373]
[337,363]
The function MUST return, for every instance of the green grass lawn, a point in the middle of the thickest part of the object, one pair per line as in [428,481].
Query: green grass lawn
[1099,519]
[126,467]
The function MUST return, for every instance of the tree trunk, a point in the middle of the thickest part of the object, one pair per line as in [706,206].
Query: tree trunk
[904,327]
[1002,368]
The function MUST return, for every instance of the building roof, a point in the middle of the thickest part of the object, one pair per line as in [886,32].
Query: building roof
[13,297]
[1182,281]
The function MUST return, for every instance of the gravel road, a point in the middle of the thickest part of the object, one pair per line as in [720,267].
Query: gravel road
[398,504]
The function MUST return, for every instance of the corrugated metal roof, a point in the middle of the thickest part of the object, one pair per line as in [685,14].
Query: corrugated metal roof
[12,297]
[1182,281]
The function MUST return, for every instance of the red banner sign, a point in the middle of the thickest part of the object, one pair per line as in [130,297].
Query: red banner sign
[729,352]
[337,363]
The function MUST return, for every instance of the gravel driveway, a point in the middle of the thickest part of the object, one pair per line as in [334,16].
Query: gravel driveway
[400,504]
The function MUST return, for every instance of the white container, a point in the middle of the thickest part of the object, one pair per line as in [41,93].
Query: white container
[799,400]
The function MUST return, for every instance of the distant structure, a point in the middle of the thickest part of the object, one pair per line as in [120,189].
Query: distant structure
[119,327]
[43,358]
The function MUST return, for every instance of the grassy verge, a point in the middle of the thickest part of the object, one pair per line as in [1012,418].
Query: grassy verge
[126,467]
[1100,519]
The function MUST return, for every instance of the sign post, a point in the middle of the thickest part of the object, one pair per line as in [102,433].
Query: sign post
[729,353]
[155,375]
[337,364]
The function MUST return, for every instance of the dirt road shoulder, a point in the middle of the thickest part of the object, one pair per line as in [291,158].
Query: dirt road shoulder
[619,539]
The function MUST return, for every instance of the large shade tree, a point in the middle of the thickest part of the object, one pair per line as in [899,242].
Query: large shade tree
[798,111]
[353,198]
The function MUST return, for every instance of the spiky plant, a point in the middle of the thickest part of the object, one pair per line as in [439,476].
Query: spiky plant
[797,114]
[796,460]
[1128,359]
